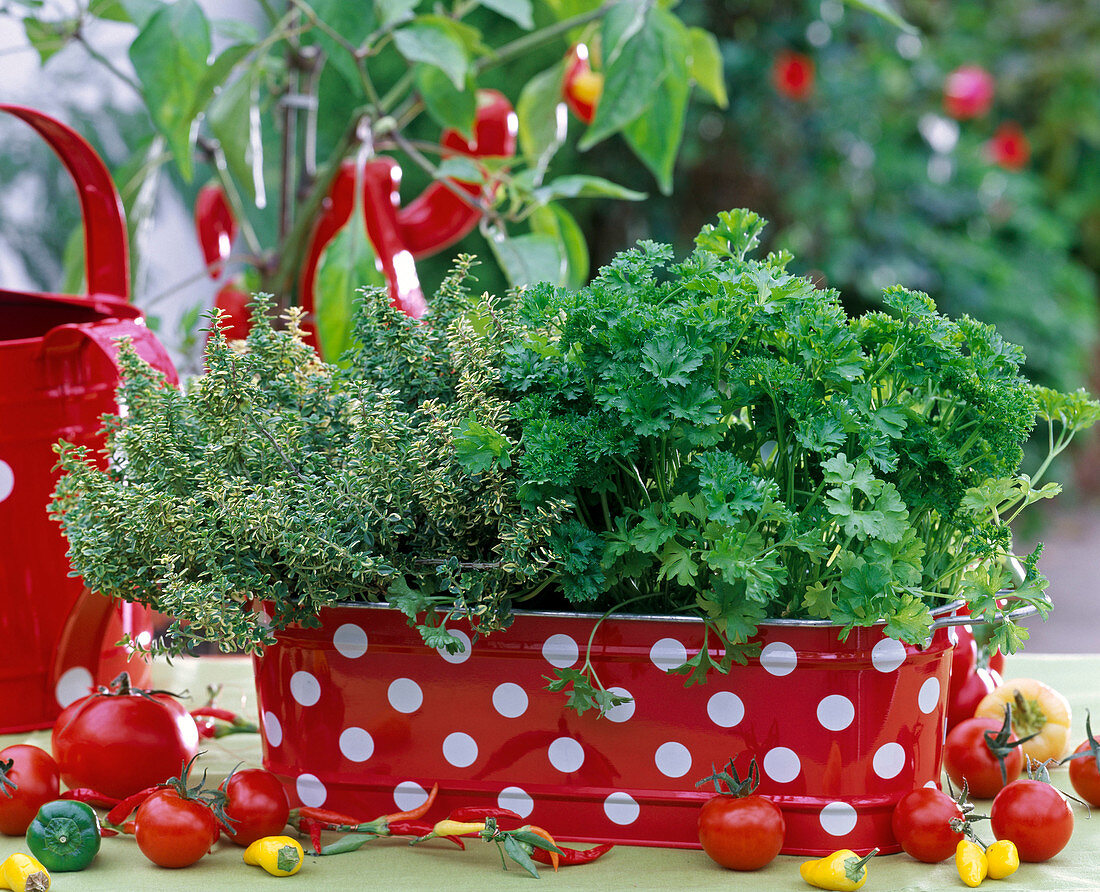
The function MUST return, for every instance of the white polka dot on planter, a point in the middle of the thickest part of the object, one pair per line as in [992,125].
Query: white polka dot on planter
[887,655]
[778,658]
[835,712]
[725,709]
[624,712]
[929,697]
[888,760]
[560,651]
[7,480]
[305,688]
[667,654]
[782,764]
[672,759]
[462,655]
[408,795]
[273,730]
[517,799]
[566,754]
[356,744]
[460,749]
[74,683]
[509,700]
[350,641]
[310,790]
[405,695]
[621,808]
[837,818]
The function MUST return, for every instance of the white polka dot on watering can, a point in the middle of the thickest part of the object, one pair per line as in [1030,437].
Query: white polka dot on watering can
[668,653]
[350,641]
[273,730]
[782,764]
[929,697]
[837,818]
[405,695]
[510,700]
[356,744]
[621,808]
[566,755]
[887,655]
[305,688]
[74,683]
[7,480]
[888,761]
[560,651]
[624,712]
[778,658]
[463,654]
[460,749]
[310,790]
[725,709]
[517,799]
[672,759]
[408,795]
[835,712]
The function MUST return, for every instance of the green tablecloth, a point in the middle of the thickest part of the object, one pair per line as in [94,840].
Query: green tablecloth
[392,864]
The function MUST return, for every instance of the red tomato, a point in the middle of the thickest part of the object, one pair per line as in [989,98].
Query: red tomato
[257,805]
[1035,816]
[1084,775]
[922,824]
[30,782]
[968,92]
[968,755]
[174,832]
[741,833]
[120,743]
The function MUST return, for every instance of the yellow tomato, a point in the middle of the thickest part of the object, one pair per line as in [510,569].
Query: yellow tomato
[1036,709]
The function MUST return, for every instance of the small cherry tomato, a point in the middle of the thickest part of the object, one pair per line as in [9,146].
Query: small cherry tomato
[739,829]
[26,784]
[922,824]
[1084,766]
[1035,816]
[985,763]
[256,805]
[172,831]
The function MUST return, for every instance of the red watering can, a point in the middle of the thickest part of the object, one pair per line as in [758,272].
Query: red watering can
[58,375]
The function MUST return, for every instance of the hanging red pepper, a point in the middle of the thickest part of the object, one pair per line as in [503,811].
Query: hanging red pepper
[438,217]
[381,197]
[233,300]
[581,87]
[216,227]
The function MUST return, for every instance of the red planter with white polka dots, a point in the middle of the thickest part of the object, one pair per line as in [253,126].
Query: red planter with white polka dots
[359,716]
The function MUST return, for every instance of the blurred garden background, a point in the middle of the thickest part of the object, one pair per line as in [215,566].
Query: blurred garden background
[949,148]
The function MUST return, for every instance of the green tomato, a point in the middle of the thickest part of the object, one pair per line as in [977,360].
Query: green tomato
[64,835]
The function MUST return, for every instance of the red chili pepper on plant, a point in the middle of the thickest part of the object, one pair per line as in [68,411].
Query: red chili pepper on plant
[793,75]
[1009,147]
[439,217]
[968,92]
[570,857]
[581,86]
[233,300]
[216,227]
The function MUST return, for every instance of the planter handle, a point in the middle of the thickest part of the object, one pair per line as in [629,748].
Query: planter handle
[953,619]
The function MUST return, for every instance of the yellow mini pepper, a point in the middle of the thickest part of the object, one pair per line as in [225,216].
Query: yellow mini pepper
[1003,859]
[23,873]
[842,871]
[971,862]
[280,856]
[455,828]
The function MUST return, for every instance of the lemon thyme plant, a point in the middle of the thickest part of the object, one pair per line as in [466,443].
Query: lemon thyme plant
[734,445]
[276,477]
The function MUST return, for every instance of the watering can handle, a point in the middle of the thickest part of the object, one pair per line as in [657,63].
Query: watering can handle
[106,259]
[956,620]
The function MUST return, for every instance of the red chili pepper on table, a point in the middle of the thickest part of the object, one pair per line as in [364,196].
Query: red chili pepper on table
[570,857]
[117,815]
[90,797]
[478,813]
[216,227]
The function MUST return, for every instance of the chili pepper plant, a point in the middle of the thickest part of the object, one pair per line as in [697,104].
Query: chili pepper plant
[713,437]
